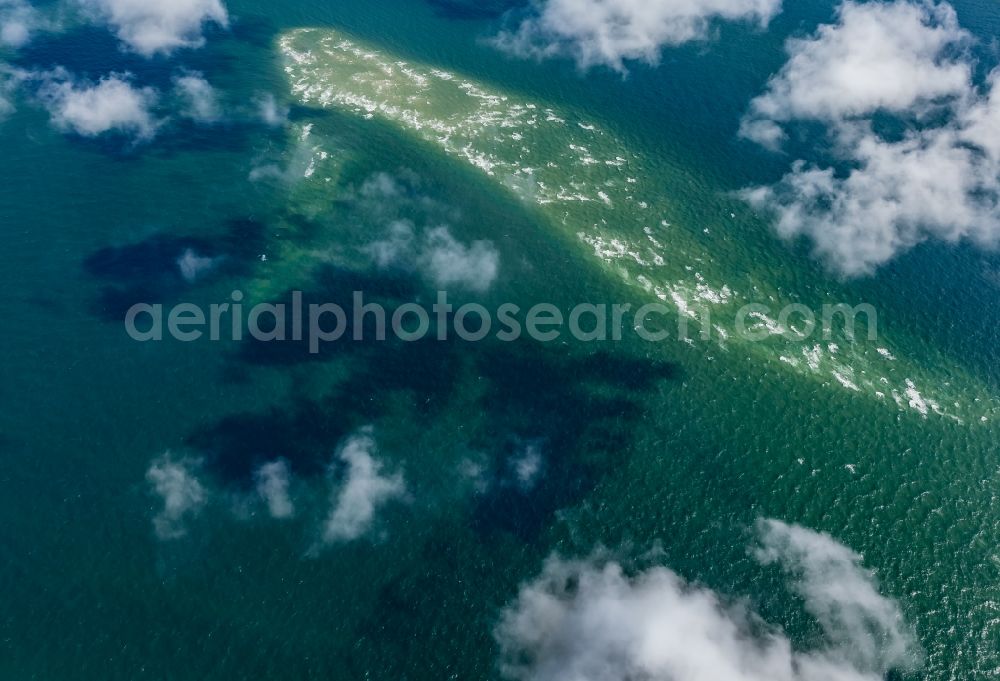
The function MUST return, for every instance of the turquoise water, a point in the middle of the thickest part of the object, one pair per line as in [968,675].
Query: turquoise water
[684,446]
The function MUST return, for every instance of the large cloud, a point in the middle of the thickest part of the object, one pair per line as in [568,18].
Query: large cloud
[587,620]
[840,593]
[898,57]
[931,185]
[938,179]
[153,27]
[113,104]
[183,496]
[365,490]
[610,32]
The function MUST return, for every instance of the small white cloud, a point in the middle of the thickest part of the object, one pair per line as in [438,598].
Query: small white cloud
[477,472]
[380,187]
[200,101]
[587,620]
[522,469]
[450,263]
[397,247]
[764,132]
[364,491]
[268,171]
[527,466]
[152,27]
[111,105]
[182,494]
[442,259]
[611,32]
[18,21]
[273,482]
[193,266]
[11,79]
[7,86]
[271,111]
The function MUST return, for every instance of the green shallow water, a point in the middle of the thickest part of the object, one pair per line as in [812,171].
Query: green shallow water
[676,444]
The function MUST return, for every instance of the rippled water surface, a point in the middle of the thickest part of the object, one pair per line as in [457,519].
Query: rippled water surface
[591,188]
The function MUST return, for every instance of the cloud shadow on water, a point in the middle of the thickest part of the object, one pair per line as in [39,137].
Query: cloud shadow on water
[576,406]
[582,408]
[151,271]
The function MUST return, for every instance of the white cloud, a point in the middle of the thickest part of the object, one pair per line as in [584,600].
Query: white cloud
[587,620]
[18,21]
[111,105]
[152,27]
[980,123]
[931,185]
[269,171]
[199,99]
[897,56]
[364,491]
[397,246]
[441,258]
[840,593]
[527,466]
[477,472]
[193,266]
[8,84]
[611,32]
[434,253]
[273,481]
[522,470]
[381,187]
[182,494]
[450,263]
[939,179]
[271,111]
